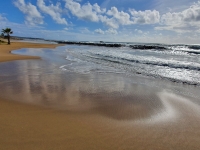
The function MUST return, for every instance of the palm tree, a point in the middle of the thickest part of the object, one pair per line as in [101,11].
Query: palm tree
[7,31]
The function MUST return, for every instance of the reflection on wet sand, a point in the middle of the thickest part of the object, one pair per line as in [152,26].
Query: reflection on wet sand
[103,111]
[109,95]
[106,94]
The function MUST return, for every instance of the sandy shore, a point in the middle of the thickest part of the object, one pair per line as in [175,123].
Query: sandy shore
[24,126]
[5,50]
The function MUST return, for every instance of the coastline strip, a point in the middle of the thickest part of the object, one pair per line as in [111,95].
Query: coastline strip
[6,55]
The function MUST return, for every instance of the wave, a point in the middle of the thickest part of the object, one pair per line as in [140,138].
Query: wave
[172,62]
[125,58]
[190,49]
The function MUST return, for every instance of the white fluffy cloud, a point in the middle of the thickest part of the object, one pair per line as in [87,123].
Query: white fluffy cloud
[120,17]
[184,21]
[86,12]
[90,12]
[191,14]
[145,17]
[112,18]
[109,31]
[99,31]
[110,22]
[32,15]
[98,9]
[53,11]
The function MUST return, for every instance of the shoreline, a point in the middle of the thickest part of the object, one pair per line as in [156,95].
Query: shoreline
[28,126]
[6,55]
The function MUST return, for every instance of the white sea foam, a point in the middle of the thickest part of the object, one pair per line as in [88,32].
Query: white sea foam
[63,67]
[174,63]
[70,58]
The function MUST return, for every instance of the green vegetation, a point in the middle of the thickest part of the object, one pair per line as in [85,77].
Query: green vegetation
[6,33]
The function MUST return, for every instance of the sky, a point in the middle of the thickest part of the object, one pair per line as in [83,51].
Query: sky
[146,21]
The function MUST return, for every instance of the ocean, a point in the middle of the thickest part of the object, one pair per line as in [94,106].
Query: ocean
[177,63]
[172,67]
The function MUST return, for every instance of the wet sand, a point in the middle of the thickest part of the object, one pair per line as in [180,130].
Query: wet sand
[55,111]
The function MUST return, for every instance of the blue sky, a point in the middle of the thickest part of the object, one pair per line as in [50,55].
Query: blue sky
[157,21]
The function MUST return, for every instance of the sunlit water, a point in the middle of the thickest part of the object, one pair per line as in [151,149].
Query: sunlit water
[176,63]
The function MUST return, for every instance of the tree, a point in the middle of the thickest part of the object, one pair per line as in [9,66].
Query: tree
[2,35]
[7,31]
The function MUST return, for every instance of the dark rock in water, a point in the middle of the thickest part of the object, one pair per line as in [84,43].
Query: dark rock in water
[146,47]
[92,44]
[196,47]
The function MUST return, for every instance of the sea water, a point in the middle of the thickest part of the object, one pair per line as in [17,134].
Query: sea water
[120,83]
[177,63]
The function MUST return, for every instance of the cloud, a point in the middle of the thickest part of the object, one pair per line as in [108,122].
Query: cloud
[122,18]
[139,31]
[2,18]
[86,12]
[110,22]
[164,6]
[111,31]
[91,13]
[53,11]
[145,17]
[66,29]
[191,14]
[98,9]
[32,15]
[84,30]
[99,31]
[184,21]
[111,18]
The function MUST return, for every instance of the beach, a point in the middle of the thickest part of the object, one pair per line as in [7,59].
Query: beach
[56,108]
[7,56]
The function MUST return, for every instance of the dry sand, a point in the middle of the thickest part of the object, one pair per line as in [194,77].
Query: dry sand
[5,50]
[24,126]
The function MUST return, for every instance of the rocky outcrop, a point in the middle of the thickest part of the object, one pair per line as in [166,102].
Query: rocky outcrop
[146,47]
[92,44]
